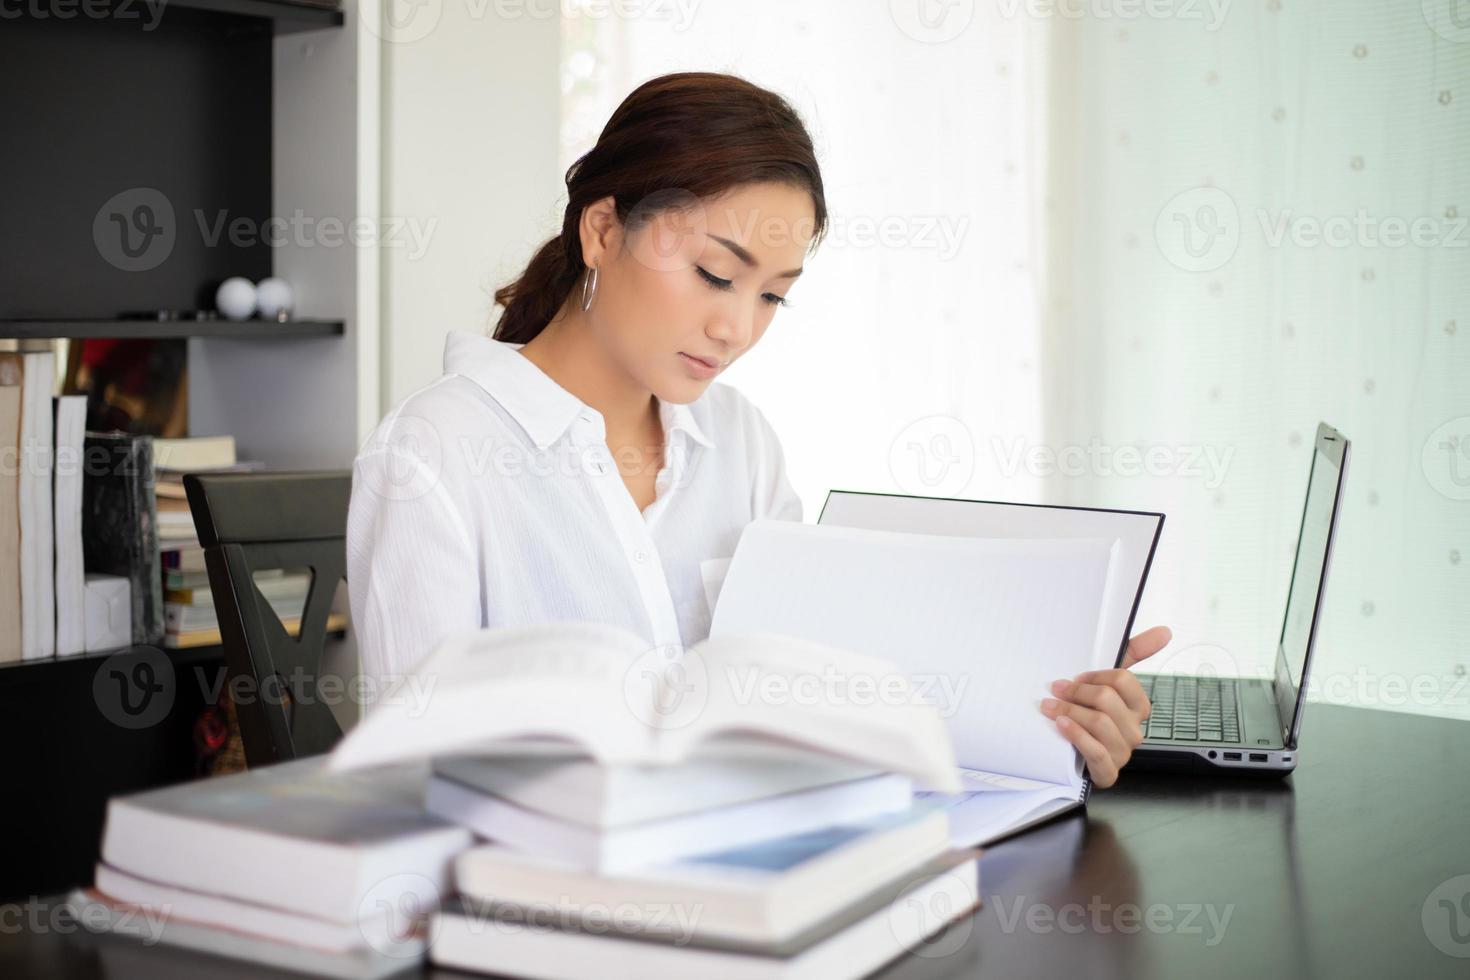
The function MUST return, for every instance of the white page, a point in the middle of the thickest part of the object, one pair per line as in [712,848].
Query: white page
[1136,532]
[980,817]
[981,626]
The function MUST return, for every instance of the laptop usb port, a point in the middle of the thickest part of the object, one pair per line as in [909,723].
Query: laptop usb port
[1232,756]
[1258,757]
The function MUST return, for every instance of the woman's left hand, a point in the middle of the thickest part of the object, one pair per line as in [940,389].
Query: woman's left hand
[1102,711]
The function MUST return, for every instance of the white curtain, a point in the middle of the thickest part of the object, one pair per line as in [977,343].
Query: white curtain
[1267,227]
[1073,261]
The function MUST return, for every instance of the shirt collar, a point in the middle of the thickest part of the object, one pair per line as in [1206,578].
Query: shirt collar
[541,406]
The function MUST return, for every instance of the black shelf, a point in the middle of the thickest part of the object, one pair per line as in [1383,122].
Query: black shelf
[285,18]
[180,657]
[169,329]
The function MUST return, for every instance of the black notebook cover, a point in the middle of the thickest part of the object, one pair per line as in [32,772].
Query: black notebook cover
[120,523]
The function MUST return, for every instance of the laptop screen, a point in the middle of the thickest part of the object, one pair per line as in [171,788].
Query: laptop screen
[1303,601]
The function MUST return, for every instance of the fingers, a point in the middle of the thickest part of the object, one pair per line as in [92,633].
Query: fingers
[1146,644]
[1099,725]
[1099,760]
[1108,700]
[1125,682]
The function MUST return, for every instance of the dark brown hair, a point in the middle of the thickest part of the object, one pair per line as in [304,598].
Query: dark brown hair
[689,135]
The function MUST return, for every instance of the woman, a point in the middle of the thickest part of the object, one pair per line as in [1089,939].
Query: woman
[580,464]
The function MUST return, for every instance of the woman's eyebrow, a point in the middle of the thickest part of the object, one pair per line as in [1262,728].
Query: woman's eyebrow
[748,259]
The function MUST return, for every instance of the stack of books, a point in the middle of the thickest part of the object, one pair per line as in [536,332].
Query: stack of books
[748,836]
[189,615]
[41,578]
[286,865]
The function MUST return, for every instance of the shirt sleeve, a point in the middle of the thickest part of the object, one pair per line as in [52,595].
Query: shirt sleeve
[774,496]
[412,572]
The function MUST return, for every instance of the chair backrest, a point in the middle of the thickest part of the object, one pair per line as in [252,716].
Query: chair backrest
[249,522]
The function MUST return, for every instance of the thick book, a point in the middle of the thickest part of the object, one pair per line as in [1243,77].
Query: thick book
[192,454]
[381,929]
[234,930]
[615,849]
[120,524]
[604,690]
[872,930]
[290,836]
[10,558]
[71,591]
[982,625]
[764,893]
[582,791]
[37,577]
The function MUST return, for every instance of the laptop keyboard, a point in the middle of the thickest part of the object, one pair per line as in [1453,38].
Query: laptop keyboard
[1194,709]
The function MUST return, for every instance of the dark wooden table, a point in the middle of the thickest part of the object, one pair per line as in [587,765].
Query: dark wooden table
[1357,865]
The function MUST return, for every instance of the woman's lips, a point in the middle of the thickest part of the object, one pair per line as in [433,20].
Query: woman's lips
[700,368]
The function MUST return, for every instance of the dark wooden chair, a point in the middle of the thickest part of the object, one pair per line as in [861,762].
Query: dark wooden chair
[249,522]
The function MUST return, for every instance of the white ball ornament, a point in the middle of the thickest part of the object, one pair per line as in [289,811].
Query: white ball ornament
[273,297]
[235,298]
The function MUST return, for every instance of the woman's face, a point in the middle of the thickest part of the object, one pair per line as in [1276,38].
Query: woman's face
[700,282]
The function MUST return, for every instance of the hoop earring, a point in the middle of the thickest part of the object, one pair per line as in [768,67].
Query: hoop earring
[591,281]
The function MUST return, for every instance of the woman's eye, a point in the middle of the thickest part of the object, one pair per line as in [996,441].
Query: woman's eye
[725,285]
[715,281]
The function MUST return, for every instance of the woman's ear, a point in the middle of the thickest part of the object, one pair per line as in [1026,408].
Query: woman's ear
[600,230]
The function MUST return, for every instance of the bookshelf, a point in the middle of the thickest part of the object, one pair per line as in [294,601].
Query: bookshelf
[234,112]
[168,329]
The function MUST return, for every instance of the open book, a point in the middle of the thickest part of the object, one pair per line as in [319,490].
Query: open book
[603,691]
[981,626]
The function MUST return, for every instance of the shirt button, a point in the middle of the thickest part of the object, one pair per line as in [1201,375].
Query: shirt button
[640,556]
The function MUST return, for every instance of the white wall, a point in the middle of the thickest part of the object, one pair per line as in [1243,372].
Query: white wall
[470,174]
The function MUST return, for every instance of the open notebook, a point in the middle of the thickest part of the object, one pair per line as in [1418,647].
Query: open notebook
[980,624]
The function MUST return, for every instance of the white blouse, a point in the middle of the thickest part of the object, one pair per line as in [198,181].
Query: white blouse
[489,498]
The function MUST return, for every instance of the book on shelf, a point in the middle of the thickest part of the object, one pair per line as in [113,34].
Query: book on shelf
[71,594]
[36,371]
[190,454]
[212,637]
[120,523]
[11,642]
[276,585]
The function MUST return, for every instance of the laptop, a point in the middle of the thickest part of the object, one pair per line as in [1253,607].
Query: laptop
[1254,724]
